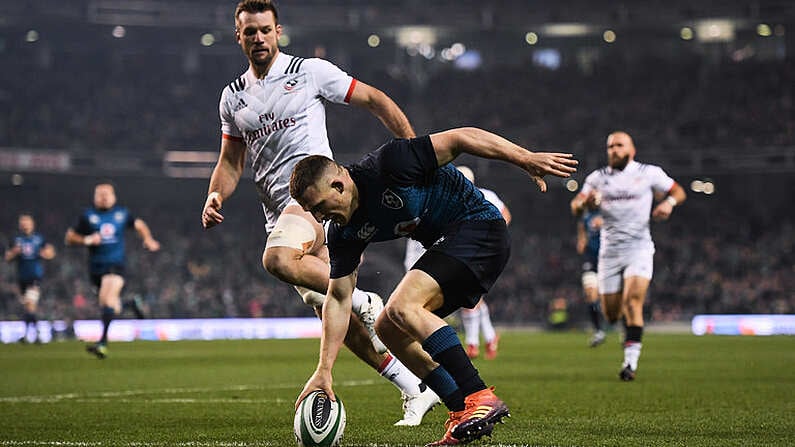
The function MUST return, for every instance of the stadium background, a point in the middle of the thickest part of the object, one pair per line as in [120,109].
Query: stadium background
[129,91]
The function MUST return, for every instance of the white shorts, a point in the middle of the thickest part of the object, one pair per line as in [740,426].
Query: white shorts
[614,268]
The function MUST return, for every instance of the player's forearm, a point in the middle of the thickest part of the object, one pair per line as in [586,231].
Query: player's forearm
[336,316]
[678,194]
[480,143]
[391,115]
[72,238]
[143,229]
[224,179]
[577,204]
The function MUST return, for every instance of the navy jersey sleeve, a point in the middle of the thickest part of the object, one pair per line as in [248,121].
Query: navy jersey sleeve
[83,226]
[130,220]
[344,254]
[409,162]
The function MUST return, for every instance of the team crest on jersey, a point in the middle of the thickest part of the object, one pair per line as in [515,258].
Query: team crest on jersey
[27,250]
[290,85]
[107,230]
[391,200]
[366,232]
[407,227]
[118,216]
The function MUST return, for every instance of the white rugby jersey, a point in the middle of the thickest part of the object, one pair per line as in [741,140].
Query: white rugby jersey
[627,197]
[281,119]
[414,249]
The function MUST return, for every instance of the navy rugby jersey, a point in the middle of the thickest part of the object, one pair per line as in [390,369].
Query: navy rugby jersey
[29,267]
[110,224]
[403,192]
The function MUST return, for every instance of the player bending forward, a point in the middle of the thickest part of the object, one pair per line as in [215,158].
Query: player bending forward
[408,189]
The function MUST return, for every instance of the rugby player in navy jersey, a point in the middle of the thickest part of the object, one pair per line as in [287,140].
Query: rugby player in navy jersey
[407,188]
[101,228]
[589,225]
[28,249]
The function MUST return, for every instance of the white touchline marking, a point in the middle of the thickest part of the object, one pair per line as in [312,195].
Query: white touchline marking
[114,394]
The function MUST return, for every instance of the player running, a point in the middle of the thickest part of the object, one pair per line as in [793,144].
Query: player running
[624,190]
[29,248]
[101,229]
[589,225]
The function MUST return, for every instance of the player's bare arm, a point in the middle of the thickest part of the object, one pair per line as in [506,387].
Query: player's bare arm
[582,238]
[12,253]
[74,238]
[223,180]
[146,235]
[336,316]
[382,107]
[664,209]
[451,143]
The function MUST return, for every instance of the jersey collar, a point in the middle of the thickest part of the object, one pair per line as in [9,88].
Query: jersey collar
[279,65]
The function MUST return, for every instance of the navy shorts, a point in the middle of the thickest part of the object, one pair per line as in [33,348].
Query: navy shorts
[466,262]
[98,271]
[590,262]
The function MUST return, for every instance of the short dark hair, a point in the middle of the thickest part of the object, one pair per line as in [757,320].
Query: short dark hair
[255,6]
[106,181]
[307,172]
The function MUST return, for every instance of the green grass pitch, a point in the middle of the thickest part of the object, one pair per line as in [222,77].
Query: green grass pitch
[690,391]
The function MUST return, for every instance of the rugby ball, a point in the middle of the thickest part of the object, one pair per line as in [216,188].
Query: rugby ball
[319,421]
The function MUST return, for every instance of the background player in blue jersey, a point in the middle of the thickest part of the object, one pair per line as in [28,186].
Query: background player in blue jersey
[101,229]
[588,226]
[29,248]
[407,188]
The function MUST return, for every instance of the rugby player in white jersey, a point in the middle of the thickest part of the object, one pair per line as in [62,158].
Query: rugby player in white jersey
[624,190]
[274,113]
[478,318]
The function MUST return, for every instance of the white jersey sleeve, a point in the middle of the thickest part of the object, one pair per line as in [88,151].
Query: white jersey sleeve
[228,126]
[331,82]
[590,183]
[492,197]
[659,180]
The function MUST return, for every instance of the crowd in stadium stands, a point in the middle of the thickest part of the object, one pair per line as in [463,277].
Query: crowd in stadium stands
[709,259]
[125,105]
[714,256]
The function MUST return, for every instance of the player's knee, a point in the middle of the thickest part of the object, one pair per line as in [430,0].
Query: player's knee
[396,315]
[281,263]
[632,306]
[384,326]
[31,296]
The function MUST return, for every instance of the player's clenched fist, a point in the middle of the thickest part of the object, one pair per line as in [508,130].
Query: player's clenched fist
[211,215]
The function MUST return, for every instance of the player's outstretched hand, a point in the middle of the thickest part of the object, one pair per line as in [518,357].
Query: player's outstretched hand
[211,214]
[320,380]
[558,164]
